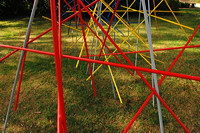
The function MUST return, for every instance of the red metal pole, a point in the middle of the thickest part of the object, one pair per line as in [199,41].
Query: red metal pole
[141,76]
[129,67]
[8,55]
[75,18]
[20,82]
[143,51]
[103,42]
[168,108]
[138,113]
[61,117]
[27,43]
[109,63]
[111,20]
[105,46]
[49,30]
[20,78]
[86,49]
[180,53]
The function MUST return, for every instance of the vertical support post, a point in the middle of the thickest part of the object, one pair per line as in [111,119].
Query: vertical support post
[127,18]
[154,5]
[114,20]
[20,62]
[137,40]
[110,24]
[61,118]
[153,66]
[20,79]
[86,48]
[77,23]
[149,21]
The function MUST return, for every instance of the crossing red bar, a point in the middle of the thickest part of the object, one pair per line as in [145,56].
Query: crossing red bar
[68,18]
[20,78]
[61,117]
[109,63]
[179,55]
[99,39]
[86,50]
[144,51]
[110,24]
[138,113]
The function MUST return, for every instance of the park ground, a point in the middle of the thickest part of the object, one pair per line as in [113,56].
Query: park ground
[85,113]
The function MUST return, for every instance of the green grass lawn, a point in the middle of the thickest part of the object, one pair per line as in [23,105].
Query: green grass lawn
[85,113]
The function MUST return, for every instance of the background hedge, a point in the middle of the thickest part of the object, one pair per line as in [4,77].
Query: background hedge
[15,8]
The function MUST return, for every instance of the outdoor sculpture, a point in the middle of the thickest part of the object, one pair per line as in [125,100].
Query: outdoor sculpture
[103,39]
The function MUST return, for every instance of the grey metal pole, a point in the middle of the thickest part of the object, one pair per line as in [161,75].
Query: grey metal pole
[99,20]
[149,17]
[127,18]
[111,79]
[153,97]
[75,46]
[95,48]
[137,41]
[149,11]
[99,5]
[20,62]
[153,66]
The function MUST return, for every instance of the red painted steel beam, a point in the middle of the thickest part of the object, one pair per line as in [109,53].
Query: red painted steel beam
[61,117]
[110,24]
[179,55]
[138,112]
[109,63]
[124,66]
[163,77]
[45,32]
[138,72]
[98,38]
[86,49]
[20,78]
[144,51]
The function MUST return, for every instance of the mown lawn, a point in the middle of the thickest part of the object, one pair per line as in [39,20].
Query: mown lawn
[86,113]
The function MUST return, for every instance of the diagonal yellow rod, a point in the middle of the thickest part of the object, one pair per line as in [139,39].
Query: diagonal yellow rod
[111,73]
[164,19]
[125,23]
[115,50]
[130,11]
[112,29]
[87,31]
[63,24]
[127,43]
[176,20]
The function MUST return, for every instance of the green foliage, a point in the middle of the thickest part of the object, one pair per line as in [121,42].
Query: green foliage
[10,8]
[13,8]
[174,5]
[184,5]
